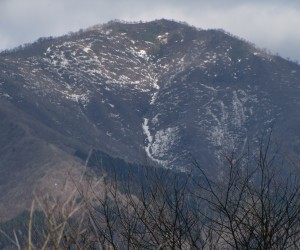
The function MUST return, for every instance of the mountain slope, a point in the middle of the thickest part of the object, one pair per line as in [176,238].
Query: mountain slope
[161,90]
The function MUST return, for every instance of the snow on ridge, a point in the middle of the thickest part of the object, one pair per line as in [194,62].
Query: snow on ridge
[96,66]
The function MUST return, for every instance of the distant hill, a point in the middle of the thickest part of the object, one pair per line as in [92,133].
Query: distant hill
[159,92]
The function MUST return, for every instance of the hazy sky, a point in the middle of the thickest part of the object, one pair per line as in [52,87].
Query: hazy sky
[271,24]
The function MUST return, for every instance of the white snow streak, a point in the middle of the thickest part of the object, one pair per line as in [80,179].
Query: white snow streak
[158,147]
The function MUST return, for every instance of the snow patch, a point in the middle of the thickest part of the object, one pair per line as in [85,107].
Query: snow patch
[163,38]
[208,87]
[79,98]
[6,95]
[153,98]
[87,49]
[143,54]
[147,131]
[154,84]
[112,115]
[158,147]
[239,115]
[155,119]
[163,141]
[73,97]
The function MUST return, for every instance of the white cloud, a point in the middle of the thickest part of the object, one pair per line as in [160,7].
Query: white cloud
[271,27]
[271,23]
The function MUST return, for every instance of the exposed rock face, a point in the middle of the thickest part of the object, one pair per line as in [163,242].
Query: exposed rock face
[161,89]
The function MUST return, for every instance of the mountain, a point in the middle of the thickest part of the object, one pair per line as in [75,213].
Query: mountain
[153,93]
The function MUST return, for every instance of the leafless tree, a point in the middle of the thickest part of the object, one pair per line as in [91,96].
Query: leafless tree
[254,203]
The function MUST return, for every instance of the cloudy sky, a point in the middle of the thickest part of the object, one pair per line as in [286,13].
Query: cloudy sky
[271,24]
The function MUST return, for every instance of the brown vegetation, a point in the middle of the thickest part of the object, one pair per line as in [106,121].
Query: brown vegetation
[253,204]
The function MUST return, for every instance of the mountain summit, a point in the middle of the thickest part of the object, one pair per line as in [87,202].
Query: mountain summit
[156,92]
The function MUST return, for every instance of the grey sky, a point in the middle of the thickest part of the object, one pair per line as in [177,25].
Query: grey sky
[271,24]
